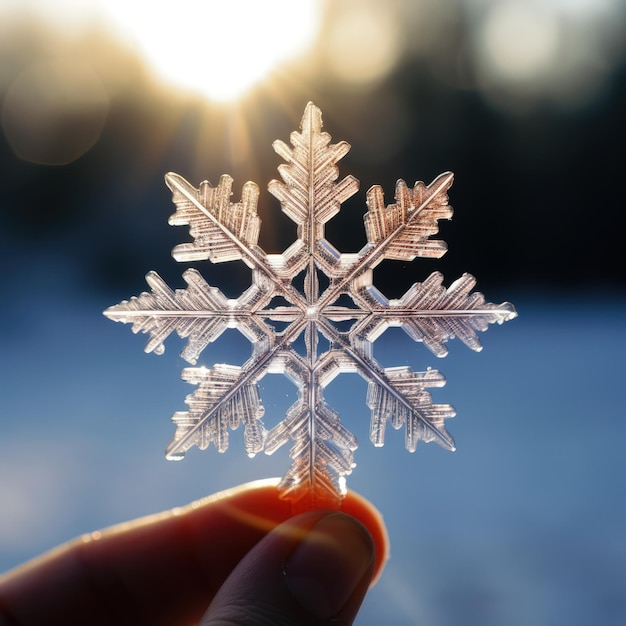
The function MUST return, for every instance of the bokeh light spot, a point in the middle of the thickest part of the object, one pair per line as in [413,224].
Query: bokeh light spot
[54,111]
[363,43]
[520,40]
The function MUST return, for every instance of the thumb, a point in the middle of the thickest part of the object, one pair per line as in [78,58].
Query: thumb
[309,570]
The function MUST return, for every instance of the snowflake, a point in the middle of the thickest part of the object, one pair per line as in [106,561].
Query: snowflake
[275,315]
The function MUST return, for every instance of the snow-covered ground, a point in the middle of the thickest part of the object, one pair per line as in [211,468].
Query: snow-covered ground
[524,525]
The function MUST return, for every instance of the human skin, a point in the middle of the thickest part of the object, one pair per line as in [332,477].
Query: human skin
[241,552]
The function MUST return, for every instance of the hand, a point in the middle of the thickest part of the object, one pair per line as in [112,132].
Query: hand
[240,553]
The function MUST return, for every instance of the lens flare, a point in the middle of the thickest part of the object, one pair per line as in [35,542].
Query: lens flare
[521,41]
[54,111]
[363,43]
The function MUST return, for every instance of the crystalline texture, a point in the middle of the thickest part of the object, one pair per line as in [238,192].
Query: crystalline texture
[227,396]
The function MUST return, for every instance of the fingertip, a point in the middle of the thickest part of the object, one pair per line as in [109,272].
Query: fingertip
[258,504]
[314,568]
[331,568]
[362,509]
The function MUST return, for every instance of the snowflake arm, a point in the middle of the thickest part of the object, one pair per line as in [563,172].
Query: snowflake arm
[409,405]
[225,231]
[221,231]
[219,403]
[432,314]
[309,194]
[323,448]
[402,230]
[200,313]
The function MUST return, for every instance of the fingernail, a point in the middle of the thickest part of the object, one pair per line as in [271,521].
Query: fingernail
[329,562]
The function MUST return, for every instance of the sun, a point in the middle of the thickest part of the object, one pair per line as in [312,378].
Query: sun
[219,49]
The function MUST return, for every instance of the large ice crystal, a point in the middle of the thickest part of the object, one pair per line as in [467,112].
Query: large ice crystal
[337,315]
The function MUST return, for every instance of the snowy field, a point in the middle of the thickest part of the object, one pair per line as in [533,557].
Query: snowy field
[524,525]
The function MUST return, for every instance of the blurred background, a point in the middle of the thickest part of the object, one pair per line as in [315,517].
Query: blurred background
[522,99]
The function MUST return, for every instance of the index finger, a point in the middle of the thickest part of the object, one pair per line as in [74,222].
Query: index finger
[163,569]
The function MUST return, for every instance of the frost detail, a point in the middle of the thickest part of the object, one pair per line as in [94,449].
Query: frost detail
[278,318]
[217,405]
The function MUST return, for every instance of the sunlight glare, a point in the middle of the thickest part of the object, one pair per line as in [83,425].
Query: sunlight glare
[219,49]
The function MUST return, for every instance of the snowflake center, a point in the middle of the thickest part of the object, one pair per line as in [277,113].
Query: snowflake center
[312,312]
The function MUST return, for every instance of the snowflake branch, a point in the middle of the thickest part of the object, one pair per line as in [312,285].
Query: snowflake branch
[372,255]
[232,246]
